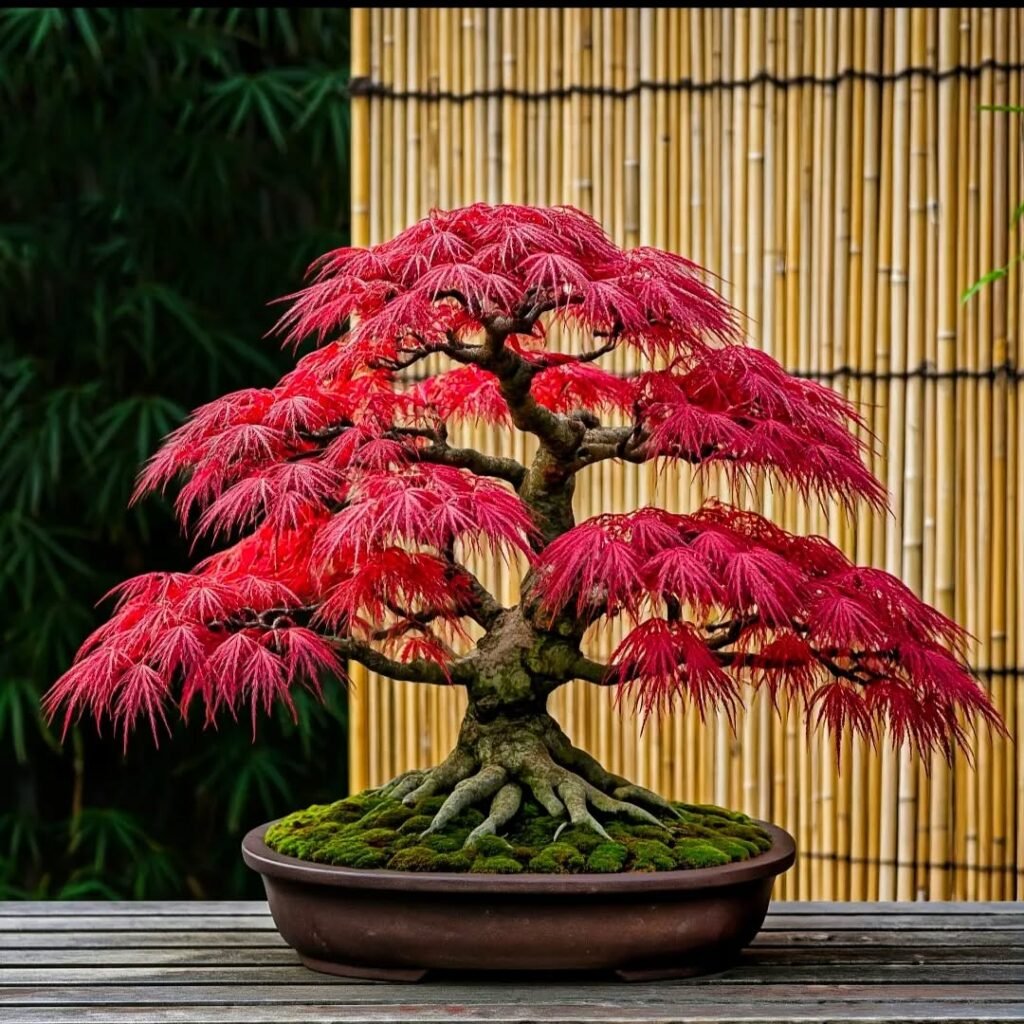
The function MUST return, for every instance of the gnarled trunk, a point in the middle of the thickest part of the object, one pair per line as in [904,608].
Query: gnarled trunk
[508,743]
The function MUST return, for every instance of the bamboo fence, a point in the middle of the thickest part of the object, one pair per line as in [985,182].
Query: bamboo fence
[834,169]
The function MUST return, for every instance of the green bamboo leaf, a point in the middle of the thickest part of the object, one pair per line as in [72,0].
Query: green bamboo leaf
[83,21]
[996,274]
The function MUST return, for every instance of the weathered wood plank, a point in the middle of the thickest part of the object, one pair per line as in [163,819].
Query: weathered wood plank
[747,973]
[597,993]
[263,922]
[569,1013]
[758,954]
[798,908]
[134,908]
[213,956]
[861,922]
[153,922]
[134,940]
[979,940]
[980,937]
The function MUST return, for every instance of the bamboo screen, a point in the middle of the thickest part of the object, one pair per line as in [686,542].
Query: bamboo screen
[834,169]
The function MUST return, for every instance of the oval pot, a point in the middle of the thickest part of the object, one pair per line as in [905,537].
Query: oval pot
[398,925]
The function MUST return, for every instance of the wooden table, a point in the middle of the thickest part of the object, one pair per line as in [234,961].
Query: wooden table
[224,962]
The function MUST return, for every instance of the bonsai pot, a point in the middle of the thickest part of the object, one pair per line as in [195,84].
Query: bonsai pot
[398,925]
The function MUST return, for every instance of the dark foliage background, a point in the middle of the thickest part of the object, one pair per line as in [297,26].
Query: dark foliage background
[163,174]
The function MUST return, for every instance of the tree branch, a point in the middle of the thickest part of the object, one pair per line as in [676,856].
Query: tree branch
[860,676]
[486,608]
[476,462]
[418,671]
[592,672]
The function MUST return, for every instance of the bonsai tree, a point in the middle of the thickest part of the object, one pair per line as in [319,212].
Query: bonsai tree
[357,509]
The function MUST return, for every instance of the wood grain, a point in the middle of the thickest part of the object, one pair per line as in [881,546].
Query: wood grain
[206,962]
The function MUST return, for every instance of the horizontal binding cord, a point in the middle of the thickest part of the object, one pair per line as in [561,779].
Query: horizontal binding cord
[1007,371]
[364,86]
[843,858]
[926,371]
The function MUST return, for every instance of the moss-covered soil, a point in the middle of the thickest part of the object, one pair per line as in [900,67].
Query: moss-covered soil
[370,831]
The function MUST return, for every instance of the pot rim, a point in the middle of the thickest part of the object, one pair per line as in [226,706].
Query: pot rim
[261,858]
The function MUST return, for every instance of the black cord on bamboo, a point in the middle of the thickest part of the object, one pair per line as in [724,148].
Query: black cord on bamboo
[367,87]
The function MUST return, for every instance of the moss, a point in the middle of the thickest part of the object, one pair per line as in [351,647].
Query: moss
[583,839]
[378,836]
[496,866]
[735,849]
[650,855]
[430,805]
[370,831]
[607,858]
[494,846]
[449,841]
[468,819]
[389,815]
[654,832]
[697,853]
[538,831]
[350,853]
[415,825]
[558,859]
[750,834]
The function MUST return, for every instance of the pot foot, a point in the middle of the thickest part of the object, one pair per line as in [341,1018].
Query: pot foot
[670,972]
[392,974]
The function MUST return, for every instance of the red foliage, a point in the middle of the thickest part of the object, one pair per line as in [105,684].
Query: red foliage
[356,510]
[766,606]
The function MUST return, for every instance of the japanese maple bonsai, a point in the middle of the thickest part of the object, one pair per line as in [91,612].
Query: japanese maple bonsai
[358,510]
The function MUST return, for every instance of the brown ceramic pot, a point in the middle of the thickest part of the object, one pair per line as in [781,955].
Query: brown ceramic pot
[398,925]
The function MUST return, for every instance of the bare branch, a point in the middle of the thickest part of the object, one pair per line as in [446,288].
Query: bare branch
[418,671]
[859,675]
[486,608]
[593,672]
[545,362]
[476,462]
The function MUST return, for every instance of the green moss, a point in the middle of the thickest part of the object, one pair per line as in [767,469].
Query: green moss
[650,855]
[493,846]
[697,853]
[496,866]
[585,840]
[378,836]
[415,825]
[736,849]
[421,858]
[607,858]
[370,831]
[390,815]
[430,805]
[451,840]
[558,859]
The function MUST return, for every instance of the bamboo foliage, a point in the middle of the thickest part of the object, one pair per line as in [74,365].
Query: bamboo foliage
[833,168]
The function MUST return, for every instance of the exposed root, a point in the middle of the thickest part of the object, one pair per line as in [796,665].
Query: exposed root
[544,793]
[485,783]
[458,765]
[402,784]
[629,791]
[498,760]
[503,809]
[574,796]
